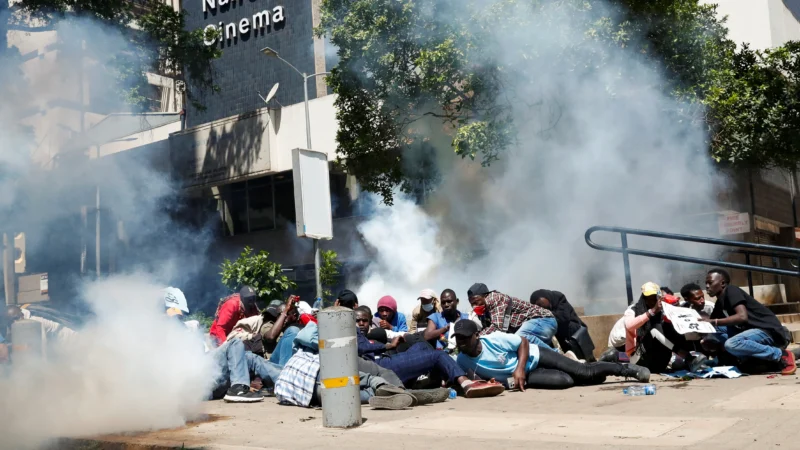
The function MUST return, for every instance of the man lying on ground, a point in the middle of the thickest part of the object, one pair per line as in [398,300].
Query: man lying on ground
[567,319]
[504,356]
[420,359]
[501,312]
[750,329]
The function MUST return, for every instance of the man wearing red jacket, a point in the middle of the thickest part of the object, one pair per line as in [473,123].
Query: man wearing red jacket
[231,310]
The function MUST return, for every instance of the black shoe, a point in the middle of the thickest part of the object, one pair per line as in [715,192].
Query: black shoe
[240,393]
[428,396]
[641,374]
[610,355]
[394,402]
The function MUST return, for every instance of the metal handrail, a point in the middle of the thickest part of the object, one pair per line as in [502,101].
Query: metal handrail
[758,249]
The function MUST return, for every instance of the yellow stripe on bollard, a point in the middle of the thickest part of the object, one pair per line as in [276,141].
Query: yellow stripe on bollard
[333,383]
[321,344]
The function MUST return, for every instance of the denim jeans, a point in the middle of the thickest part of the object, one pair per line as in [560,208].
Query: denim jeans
[753,343]
[267,371]
[231,362]
[284,348]
[369,386]
[539,331]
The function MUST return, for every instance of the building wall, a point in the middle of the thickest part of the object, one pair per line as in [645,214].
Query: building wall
[242,70]
[761,23]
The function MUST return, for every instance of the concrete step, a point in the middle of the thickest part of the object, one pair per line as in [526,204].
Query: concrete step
[794,330]
[785,308]
[788,318]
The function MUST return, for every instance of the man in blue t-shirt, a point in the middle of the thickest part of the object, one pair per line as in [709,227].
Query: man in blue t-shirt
[504,356]
[439,323]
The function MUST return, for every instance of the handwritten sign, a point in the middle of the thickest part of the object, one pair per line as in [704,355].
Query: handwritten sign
[734,224]
[686,320]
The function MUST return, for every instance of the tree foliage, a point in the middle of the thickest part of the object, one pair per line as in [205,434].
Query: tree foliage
[329,272]
[257,271]
[159,40]
[404,63]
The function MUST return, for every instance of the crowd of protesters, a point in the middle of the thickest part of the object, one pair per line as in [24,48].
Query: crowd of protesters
[498,343]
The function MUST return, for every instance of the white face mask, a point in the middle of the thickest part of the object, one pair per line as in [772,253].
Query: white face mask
[428,307]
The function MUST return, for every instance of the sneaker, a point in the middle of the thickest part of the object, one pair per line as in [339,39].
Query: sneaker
[393,402]
[698,363]
[385,390]
[610,355]
[428,396]
[789,365]
[480,389]
[240,393]
[641,374]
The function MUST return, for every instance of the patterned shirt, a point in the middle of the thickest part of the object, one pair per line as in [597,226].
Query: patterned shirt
[521,312]
[296,383]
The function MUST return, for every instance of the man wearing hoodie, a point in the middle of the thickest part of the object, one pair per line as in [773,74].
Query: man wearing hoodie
[390,318]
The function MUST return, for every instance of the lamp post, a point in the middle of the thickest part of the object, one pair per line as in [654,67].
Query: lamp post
[274,54]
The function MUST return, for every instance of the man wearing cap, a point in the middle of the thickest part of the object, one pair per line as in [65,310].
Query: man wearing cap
[501,312]
[508,357]
[428,305]
[390,318]
[288,323]
[347,299]
[230,310]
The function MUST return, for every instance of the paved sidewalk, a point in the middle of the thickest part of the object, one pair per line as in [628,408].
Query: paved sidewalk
[752,412]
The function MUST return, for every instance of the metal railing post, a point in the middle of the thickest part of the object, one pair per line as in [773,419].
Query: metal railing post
[626,261]
[749,274]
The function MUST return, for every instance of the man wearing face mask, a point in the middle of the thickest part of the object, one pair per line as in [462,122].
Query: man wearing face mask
[440,323]
[428,305]
[231,310]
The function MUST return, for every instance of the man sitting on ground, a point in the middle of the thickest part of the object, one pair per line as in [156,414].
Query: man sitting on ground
[428,305]
[390,318]
[501,312]
[288,323]
[231,310]
[439,323]
[506,356]
[568,321]
[750,329]
[694,298]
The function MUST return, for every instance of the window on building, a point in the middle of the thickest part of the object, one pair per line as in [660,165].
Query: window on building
[153,98]
[284,200]
[261,214]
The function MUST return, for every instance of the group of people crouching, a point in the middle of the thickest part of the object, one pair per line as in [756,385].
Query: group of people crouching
[748,335]
[504,343]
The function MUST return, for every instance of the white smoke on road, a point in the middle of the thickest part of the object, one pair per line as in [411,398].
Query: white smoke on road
[582,158]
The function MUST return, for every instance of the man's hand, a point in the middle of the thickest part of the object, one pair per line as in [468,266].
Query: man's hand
[706,319]
[395,342]
[385,325]
[292,300]
[659,307]
[519,378]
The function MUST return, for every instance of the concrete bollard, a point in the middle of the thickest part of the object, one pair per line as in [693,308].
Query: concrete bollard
[338,371]
[27,341]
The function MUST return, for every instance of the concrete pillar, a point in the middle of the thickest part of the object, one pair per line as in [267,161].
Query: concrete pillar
[9,276]
[27,341]
[338,372]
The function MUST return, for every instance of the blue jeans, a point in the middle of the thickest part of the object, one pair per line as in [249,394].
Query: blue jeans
[539,331]
[230,359]
[265,370]
[753,343]
[284,348]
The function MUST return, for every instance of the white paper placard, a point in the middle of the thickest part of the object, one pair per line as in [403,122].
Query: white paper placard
[686,320]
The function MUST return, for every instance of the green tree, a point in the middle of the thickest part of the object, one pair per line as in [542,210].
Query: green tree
[257,271]
[157,33]
[411,66]
[329,273]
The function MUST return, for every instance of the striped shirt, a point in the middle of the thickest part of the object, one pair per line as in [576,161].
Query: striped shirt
[521,312]
[296,383]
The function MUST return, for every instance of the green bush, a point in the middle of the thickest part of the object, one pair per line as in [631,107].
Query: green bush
[257,271]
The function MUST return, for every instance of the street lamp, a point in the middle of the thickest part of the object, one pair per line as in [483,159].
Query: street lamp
[274,54]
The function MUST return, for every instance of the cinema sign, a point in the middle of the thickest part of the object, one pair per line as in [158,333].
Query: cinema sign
[261,21]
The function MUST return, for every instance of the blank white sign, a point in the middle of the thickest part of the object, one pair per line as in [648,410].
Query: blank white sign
[312,194]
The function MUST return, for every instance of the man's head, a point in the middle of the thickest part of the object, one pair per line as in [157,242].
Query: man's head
[651,292]
[716,281]
[248,295]
[387,308]
[12,314]
[347,299]
[693,294]
[292,315]
[477,295]
[539,298]
[449,300]
[427,299]
[363,319]
[466,332]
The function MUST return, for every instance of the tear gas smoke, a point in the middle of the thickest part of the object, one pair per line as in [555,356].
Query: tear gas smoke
[582,158]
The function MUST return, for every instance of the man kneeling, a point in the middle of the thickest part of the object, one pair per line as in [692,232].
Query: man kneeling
[503,356]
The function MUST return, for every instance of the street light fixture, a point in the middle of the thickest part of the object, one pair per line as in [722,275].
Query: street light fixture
[272,53]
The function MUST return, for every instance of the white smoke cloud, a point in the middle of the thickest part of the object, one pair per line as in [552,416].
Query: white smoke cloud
[131,368]
[583,158]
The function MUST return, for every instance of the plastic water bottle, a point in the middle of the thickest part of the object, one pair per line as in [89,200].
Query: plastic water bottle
[637,390]
[453,394]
